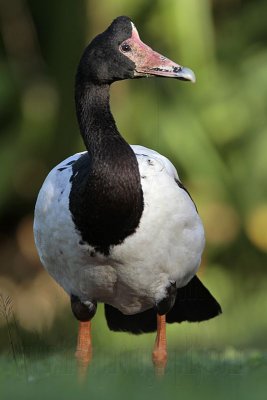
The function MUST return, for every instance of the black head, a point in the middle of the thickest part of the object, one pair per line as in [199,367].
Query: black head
[118,53]
[102,62]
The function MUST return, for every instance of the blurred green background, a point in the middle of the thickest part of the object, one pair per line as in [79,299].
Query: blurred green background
[215,132]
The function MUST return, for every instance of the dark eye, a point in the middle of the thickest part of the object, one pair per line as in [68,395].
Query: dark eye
[125,47]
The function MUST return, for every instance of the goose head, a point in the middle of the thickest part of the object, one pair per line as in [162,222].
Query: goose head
[118,53]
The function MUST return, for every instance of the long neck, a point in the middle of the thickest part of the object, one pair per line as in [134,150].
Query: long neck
[111,204]
[108,151]
[96,122]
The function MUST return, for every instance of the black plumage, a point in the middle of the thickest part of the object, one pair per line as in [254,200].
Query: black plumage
[194,303]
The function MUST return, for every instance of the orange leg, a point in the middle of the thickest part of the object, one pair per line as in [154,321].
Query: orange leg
[159,355]
[84,348]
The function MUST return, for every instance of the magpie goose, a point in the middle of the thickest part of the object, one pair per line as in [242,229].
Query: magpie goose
[114,224]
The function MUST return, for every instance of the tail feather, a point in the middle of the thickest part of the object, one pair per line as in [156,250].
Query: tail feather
[194,303]
[143,322]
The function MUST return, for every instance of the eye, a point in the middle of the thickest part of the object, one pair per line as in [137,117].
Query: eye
[125,47]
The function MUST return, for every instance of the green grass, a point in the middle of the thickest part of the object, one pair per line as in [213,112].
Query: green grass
[211,375]
[45,367]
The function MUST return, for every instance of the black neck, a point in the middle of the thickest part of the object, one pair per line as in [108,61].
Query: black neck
[94,116]
[108,151]
[106,199]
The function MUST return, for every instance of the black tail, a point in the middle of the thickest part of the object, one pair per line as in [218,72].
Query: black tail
[193,303]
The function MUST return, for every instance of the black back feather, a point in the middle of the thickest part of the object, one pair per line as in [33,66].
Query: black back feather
[194,303]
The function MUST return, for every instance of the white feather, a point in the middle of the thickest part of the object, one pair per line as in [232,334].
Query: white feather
[167,244]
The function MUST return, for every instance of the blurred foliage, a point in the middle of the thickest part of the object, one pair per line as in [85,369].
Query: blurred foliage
[215,132]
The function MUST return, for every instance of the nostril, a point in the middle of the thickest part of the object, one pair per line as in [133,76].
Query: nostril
[177,69]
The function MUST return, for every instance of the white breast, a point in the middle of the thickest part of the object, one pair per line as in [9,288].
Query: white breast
[166,246]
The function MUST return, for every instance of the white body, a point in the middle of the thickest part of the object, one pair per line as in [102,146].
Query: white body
[166,246]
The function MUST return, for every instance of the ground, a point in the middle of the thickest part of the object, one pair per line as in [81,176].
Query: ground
[227,374]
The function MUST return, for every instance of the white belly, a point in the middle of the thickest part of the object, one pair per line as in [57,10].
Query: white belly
[166,246]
